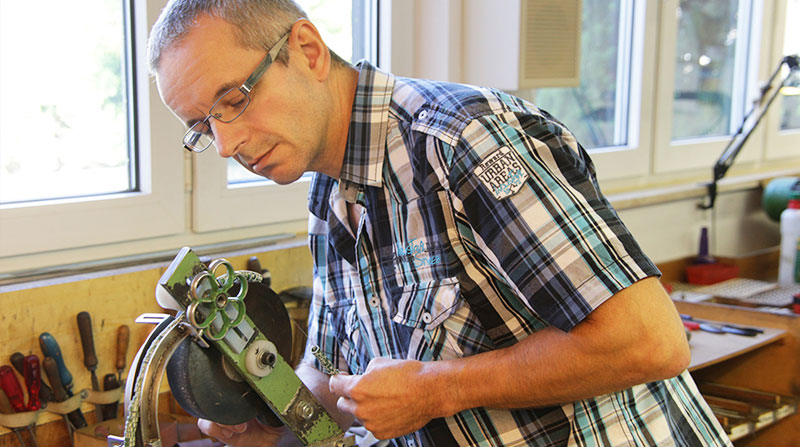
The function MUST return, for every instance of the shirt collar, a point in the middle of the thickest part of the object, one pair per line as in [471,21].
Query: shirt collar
[369,124]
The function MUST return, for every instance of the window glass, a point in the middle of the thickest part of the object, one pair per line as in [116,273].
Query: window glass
[333,19]
[64,111]
[709,67]
[597,110]
[790,115]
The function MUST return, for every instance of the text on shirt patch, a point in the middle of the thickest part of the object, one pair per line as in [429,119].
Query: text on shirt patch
[502,173]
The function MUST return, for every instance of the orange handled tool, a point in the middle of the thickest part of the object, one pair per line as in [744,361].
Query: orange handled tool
[123,337]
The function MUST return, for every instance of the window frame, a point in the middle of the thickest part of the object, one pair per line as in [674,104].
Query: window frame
[633,159]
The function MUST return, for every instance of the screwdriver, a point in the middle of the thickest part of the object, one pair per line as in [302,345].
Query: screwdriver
[13,391]
[33,380]
[89,354]
[123,336]
[51,349]
[18,360]
[60,393]
[110,383]
[5,408]
[11,386]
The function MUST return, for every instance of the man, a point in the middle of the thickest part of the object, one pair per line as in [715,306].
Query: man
[471,281]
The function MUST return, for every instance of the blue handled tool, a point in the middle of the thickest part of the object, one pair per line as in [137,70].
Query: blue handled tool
[50,348]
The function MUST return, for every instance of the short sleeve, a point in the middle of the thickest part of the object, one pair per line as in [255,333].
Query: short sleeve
[535,213]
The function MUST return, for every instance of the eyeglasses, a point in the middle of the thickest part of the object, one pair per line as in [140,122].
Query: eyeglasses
[230,105]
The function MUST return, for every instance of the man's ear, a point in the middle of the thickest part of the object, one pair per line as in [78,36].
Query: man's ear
[314,52]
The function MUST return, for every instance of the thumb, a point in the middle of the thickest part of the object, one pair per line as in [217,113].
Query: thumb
[341,384]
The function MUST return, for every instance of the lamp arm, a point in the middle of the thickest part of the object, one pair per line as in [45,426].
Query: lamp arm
[739,138]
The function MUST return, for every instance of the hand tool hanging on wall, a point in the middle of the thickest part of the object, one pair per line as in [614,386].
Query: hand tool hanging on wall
[18,360]
[12,392]
[5,408]
[10,384]
[51,349]
[74,419]
[33,381]
[123,337]
[109,411]
[87,342]
[89,354]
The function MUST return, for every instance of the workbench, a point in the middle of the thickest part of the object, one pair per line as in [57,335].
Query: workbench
[768,362]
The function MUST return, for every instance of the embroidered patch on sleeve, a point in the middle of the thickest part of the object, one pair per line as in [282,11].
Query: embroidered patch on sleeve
[501,173]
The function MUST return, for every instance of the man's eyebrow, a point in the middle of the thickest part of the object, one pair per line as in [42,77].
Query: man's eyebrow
[225,87]
[221,91]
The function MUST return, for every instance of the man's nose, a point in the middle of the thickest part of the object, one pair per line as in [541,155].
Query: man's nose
[228,137]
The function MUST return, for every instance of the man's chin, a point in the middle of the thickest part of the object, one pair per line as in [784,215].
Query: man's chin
[280,177]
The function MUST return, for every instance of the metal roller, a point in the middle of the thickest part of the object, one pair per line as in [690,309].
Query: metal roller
[203,383]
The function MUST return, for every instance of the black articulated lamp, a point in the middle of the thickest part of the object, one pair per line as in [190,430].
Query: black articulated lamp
[750,123]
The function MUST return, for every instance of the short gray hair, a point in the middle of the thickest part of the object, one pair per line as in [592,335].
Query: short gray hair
[258,23]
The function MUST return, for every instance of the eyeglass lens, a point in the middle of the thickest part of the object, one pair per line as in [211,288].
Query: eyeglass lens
[227,108]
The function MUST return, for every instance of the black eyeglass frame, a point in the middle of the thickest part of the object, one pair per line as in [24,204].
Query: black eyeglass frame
[192,135]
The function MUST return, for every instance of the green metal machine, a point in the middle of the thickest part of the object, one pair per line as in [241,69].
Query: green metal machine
[225,353]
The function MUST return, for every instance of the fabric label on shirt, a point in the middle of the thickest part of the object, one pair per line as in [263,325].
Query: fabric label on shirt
[502,173]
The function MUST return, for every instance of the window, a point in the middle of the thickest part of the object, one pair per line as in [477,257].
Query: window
[711,52]
[605,111]
[597,110]
[80,166]
[790,110]
[64,133]
[710,56]
[782,126]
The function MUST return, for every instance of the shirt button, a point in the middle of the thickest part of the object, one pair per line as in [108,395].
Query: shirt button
[423,115]
[411,443]
[426,317]
[374,302]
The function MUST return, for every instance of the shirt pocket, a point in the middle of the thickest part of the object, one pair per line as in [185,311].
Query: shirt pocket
[427,305]
[421,310]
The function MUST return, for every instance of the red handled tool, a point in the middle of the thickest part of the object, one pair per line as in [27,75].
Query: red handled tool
[18,360]
[10,384]
[5,408]
[33,380]
[12,397]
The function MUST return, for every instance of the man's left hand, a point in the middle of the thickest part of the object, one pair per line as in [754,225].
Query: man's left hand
[390,399]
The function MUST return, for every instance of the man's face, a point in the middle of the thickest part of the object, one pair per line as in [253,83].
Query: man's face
[280,134]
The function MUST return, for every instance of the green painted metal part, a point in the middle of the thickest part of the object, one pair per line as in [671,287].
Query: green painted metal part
[281,389]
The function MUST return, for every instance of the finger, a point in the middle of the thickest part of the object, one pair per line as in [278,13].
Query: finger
[341,384]
[240,428]
[346,406]
[210,428]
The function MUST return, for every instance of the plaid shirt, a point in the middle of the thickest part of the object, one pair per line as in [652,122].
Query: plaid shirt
[480,222]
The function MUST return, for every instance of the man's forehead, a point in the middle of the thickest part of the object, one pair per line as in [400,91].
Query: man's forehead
[195,70]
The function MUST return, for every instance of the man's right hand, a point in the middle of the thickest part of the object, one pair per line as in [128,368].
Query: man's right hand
[248,434]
